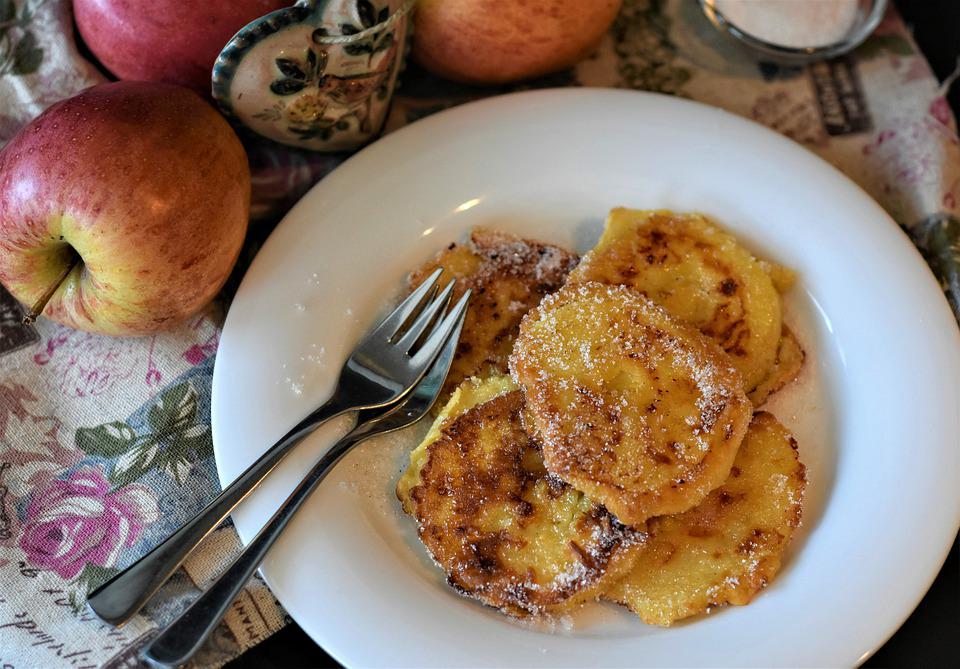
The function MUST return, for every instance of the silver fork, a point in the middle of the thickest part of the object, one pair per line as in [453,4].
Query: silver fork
[182,638]
[380,371]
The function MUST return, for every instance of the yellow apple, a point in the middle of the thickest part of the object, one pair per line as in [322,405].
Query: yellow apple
[500,41]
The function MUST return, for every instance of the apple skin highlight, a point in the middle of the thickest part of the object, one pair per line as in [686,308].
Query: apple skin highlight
[147,184]
[500,41]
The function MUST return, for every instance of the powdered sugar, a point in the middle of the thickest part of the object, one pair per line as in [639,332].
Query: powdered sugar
[595,361]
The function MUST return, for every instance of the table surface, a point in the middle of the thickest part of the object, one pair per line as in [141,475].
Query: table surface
[929,636]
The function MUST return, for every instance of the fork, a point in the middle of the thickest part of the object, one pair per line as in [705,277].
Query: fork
[379,372]
[182,638]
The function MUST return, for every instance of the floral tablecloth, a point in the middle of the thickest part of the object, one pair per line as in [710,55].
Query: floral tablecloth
[105,443]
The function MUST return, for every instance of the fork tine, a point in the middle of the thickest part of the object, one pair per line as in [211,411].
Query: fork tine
[426,318]
[434,379]
[432,345]
[392,325]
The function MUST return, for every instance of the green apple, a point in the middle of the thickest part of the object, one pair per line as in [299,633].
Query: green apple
[125,205]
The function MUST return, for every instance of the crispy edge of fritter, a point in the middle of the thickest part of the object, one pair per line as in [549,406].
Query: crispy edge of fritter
[790,360]
[491,263]
[468,394]
[731,589]
[561,454]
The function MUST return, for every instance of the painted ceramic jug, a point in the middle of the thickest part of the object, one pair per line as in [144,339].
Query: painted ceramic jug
[318,75]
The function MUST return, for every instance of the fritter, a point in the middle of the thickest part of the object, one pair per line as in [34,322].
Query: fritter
[699,274]
[790,358]
[505,531]
[728,548]
[641,412]
[509,276]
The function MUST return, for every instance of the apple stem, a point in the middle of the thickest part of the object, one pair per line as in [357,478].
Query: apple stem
[41,304]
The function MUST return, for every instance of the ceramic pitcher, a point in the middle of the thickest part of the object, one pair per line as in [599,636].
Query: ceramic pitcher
[318,75]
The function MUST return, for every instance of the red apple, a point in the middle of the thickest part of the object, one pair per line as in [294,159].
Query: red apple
[175,41]
[142,188]
[500,41]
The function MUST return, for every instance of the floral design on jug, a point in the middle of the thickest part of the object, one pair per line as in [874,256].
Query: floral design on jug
[319,78]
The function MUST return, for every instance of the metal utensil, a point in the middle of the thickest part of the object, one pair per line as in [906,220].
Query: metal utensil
[178,642]
[383,367]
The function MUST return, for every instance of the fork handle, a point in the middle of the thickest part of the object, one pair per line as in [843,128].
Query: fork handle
[178,642]
[117,600]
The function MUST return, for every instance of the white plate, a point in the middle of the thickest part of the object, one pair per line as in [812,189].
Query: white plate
[876,412]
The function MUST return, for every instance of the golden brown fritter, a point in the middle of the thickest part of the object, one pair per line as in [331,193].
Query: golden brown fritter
[699,274]
[790,357]
[509,276]
[506,532]
[728,548]
[641,412]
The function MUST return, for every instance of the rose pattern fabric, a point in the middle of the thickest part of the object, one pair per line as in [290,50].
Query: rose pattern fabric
[79,503]
[105,444]
[79,520]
